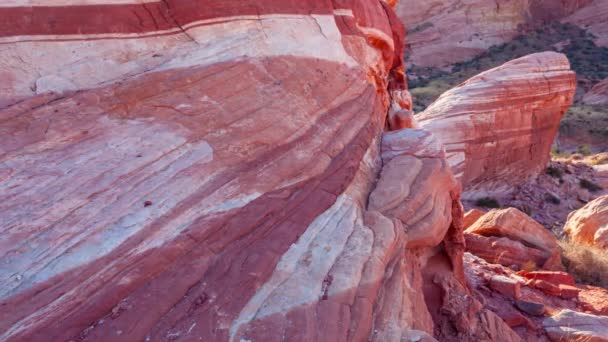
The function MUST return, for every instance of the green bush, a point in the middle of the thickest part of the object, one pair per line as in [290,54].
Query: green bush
[589,185]
[557,153]
[554,172]
[487,202]
[584,150]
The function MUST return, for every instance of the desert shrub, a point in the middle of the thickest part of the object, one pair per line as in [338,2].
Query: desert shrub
[587,264]
[557,153]
[589,185]
[487,202]
[554,172]
[421,27]
[584,150]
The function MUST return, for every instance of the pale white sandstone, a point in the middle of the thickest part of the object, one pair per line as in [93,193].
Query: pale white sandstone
[76,62]
[570,325]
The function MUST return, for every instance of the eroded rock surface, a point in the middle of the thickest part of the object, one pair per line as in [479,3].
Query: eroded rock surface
[510,237]
[589,225]
[598,95]
[444,32]
[536,310]
[570,325]
[498,126]
[211,171]
[515,225]
[592,17]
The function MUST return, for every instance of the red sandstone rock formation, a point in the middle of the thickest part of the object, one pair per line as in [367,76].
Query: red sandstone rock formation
[471,217]
[515,225]
[533,304]
[592,17]
[498,126]
[542,11]
[207,170]
[570,325]
[601,175]
[598,95]
[444,32]
[589,225]
[511,238]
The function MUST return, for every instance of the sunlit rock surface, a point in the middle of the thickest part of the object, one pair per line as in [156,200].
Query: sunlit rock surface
[498,126]
[589,225]
[218,171]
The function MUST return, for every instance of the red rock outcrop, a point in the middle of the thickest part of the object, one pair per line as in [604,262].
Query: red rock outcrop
[542,11]
[592,17]
[533,303]
[589,225]
[444,32]
[207,170]
[598,95]
[515,225]
[498,126]
[509,237]
[601,175]
[471,217]
[570,325]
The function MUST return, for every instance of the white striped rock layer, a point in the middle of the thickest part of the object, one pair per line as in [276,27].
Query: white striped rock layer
[202,170]
[498,126]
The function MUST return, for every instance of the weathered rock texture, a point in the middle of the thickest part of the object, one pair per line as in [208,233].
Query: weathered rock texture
[598,95]
[509,237]
[444,32]
[471,217]
[498,126]
[592,17]
[543,308]
[589,225]
[570,325]
[601,175]
[217,170]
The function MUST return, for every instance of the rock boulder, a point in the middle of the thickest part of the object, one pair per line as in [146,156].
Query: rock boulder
[510,237]
[570,325]
[498,126]
[589,225]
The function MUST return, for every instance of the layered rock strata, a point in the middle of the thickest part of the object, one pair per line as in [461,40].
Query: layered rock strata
[202,170]
[441,32]
[511,238]
[592,17]
[444,32]
[598,95]
[498,126]
[539,306]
